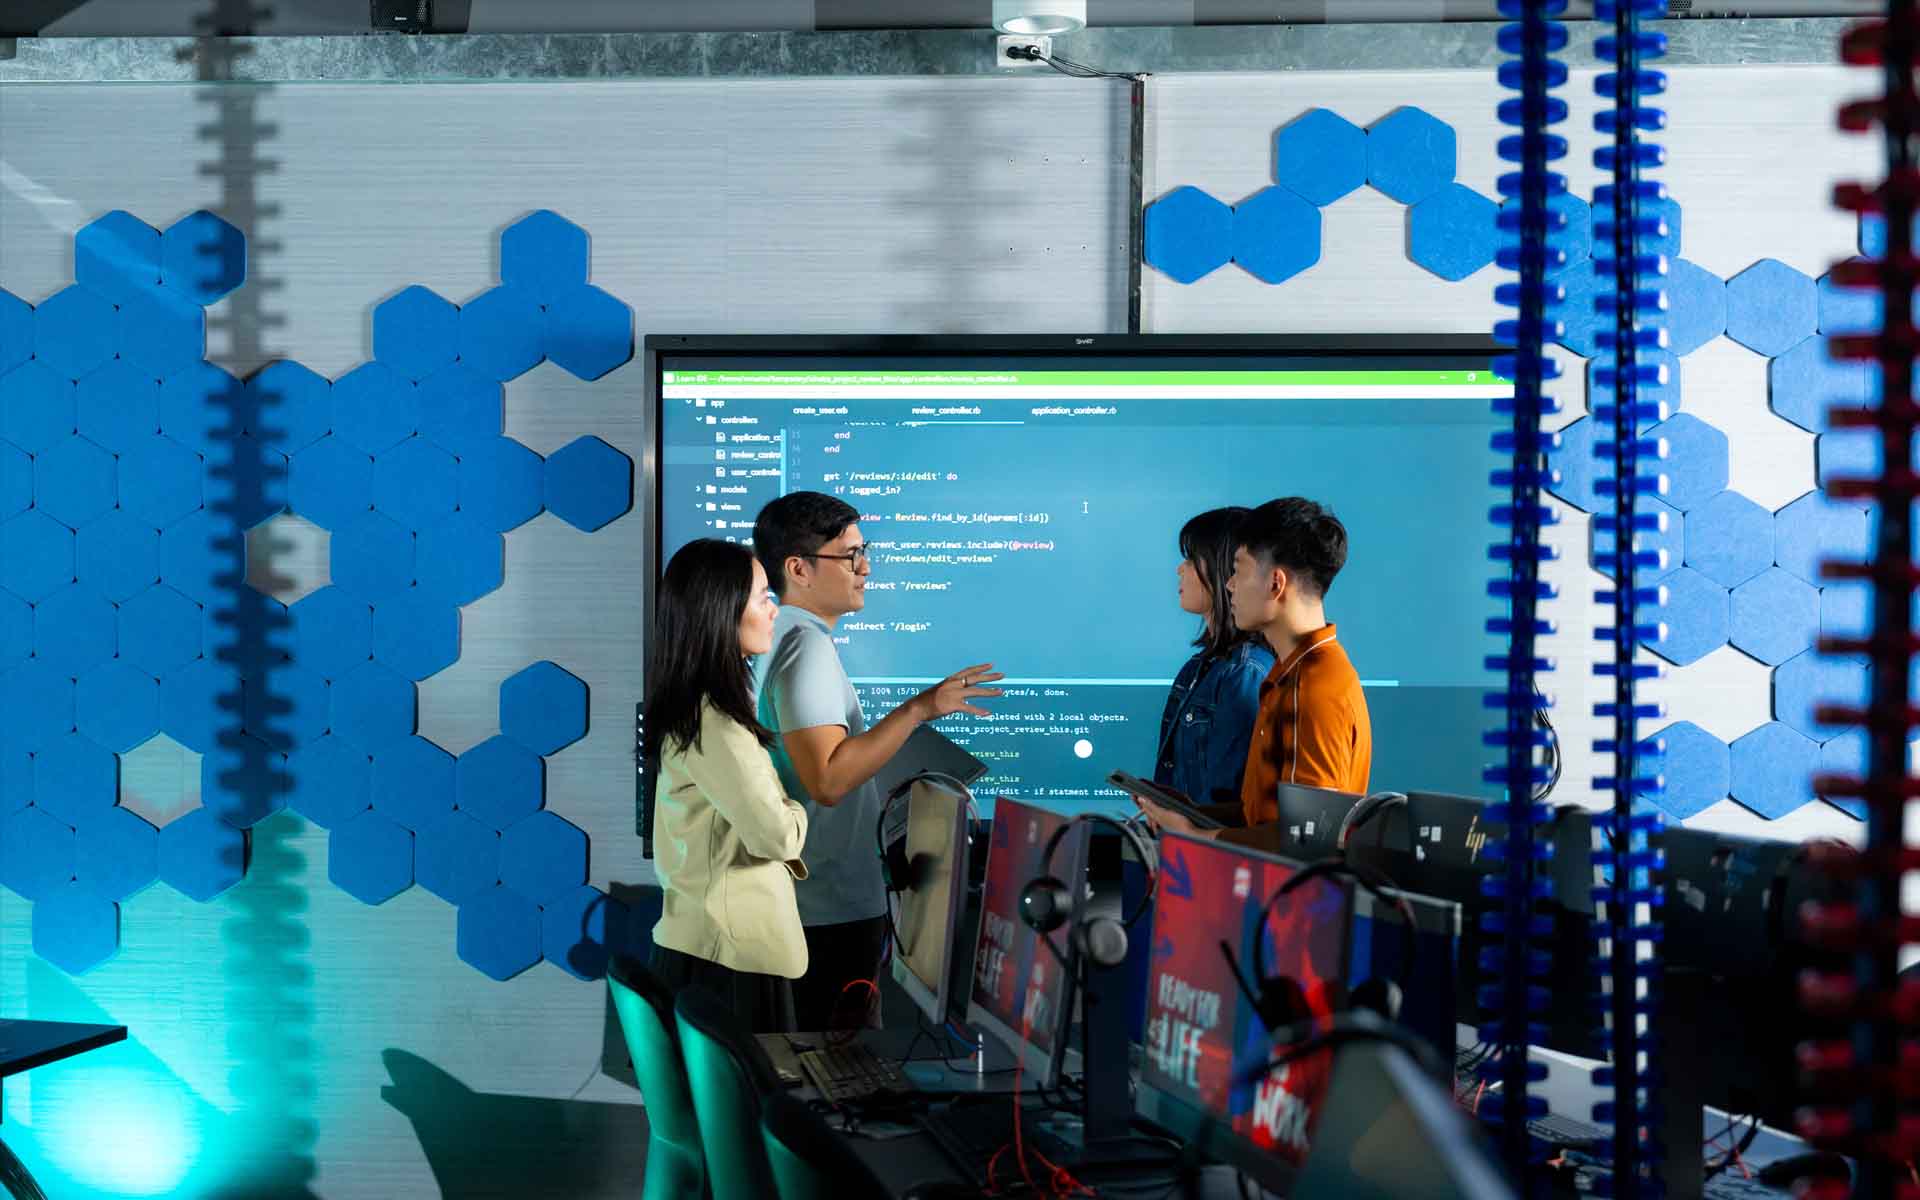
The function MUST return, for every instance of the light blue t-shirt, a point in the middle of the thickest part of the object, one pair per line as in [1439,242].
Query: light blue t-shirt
[801,685]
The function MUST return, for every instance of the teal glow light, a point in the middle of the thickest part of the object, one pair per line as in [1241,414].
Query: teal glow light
[120,1132]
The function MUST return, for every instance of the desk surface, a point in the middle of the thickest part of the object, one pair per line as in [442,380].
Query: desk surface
[25,1045]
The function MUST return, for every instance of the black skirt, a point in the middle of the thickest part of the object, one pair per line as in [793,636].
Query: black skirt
[763,1003]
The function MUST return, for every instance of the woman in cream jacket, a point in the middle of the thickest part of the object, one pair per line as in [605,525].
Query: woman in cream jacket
[726,837]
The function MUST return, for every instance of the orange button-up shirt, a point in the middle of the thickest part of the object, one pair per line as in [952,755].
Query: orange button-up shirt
[1312,728]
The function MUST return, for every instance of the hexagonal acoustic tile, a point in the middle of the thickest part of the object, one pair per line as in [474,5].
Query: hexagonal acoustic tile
[502,333]
[458,560]
[1276,234]
[36,853]
[544,708]
[502,484]
[1773,770]
[203,408]
[1452,233]
[372,557]
[160,480]
[499,782]
[1569,230]
[1694,767]
[117,705]
[74,778]
[201,856]
[1771,308]
[16,480]
[1814,528]
[203,257]
[373,707]
[75,930]
[331,482]
[289,407]
[415,332]
[456,857]
[375,407]
[36,406]
[1410,154]
[1696,460]
[73,629]
[370,858]
[1320,155]
[589,332]
[1665,210]
[544,255]
[1188,234]
[117,255]
[39,701]
[36,556]
[412,782]
[414,483]
[161,331]
[498,932]
[1696,616]
[579,930]
[118,406]
[543,857]
[589,483]
[73,332]
[1807,681]
[286,707]
[1729,539]
[199,702]
[416,635]
[461,409]
[1803,383]
[116,854]
[1774,615]
[243,781]
[159,630]
[330,781]
[332,632]
[16,331]
[1658,552]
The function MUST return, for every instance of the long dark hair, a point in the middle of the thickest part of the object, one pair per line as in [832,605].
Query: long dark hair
[695,654]
[1208,542]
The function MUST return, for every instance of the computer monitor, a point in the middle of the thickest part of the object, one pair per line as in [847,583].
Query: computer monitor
[1022,992]
[1429,1004]
[1388,1132]
[994,475]
[1310,819]
[1204,1037]
[932,897]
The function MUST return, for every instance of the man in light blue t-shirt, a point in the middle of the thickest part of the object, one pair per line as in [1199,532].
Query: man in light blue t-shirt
[827,757]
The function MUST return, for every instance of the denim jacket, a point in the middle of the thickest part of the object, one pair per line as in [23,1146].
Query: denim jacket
[1208,723]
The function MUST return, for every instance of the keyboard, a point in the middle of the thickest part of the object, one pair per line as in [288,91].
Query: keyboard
[972,1134]
[1556,1130]
[850,1073]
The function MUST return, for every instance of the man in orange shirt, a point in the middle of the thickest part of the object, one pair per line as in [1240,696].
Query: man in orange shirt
[1312,727]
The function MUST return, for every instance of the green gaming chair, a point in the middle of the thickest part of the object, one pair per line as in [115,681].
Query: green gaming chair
[676,1166]
[729,1075]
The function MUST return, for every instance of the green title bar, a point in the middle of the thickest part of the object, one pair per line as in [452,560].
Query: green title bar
[1079,378]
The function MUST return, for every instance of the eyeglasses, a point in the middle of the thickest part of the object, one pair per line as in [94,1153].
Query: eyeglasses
[771,597]
[854,557]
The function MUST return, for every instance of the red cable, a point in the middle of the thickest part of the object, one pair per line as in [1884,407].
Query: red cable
[846,1036]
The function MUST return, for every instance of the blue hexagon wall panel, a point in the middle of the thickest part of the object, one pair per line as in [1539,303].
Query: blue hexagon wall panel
[1697,614]
[589,332]
[1694,766]
[1729,539]
[1771,308]
[117,406]
[578,928]
[330,781]
[36,556]
[1804,383]
[1696,462]
[201,856]
[1669,541]
[288,406]
[36,406]
[1451,232]
[1188,234]
[499,782]
[73,332]
[331,482]
[1321,156]
[1410,154]
[370,858]
[544,708]
[130,469]
[1773,769]
[412,782]
[117,255]
[202,257]
[544,255]
[1809,680]
[1276,235]
[460,409]
[543,857]
[372,707]
[499,932]
[415,332]
[1813,528]
[74,929]
[502,333]
[116,854]
[1697,307]
[1774,616]
[502,484]
[375,408]
[1569,230]
[456,857]
[588,483]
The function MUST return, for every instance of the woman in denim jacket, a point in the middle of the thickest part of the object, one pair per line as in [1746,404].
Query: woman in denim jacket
[1209,716]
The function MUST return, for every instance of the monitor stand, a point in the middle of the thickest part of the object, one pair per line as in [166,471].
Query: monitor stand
[1101,1130]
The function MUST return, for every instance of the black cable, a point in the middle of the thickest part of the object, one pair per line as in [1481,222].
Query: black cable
[1068,67]
[1552,747]
[1733,1151]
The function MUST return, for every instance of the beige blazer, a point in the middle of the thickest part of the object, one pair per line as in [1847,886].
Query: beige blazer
[726,845]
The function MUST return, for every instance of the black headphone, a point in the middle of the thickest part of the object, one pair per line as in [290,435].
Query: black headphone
[896,869]
[1281,1000]
[1366,810]
[1046,903]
